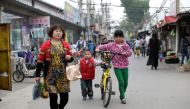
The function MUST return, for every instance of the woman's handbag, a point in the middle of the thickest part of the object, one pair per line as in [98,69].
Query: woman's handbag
[73,72]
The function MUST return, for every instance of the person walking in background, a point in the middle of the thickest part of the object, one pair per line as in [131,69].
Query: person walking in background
[143,46]
[53,57]
[137,47]
[120,62]
[73,47]
[184,48]
[133,48]
[161,57]
[75,53]
[154,47]
[91,47]
[34,52]
[81,46]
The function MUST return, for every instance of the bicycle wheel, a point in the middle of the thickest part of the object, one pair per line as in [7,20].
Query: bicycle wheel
[18,76]
[107,92]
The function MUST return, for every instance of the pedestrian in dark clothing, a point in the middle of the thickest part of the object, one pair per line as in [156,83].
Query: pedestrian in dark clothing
[184,48]
[154,46]
[143,46]
[91,47]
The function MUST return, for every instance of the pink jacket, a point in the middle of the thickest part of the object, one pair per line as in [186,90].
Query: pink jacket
[119,61]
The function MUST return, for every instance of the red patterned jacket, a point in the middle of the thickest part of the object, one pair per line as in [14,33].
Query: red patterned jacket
[87,69]
[44,56]
[44,52]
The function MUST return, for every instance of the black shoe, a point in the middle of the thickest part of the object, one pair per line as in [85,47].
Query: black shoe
[155,68]
[91,98]
[151,67]
[0,99]
[84,98]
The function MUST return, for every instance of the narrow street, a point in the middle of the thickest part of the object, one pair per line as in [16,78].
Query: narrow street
[165,88]
[46,34]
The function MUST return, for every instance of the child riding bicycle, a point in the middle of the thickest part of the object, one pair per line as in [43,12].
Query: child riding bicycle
[120,62]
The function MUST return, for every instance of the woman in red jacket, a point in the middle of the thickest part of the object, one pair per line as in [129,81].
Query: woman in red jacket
[53,57]
[87,69]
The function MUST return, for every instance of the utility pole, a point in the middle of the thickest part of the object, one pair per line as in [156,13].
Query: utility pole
[98,16]
[177,26]
[81,23]
[106,20]
[80,10]
[177,6]
[102,10]
[88,18]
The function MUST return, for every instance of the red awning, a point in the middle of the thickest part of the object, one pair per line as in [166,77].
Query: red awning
[169,20]
[166,20]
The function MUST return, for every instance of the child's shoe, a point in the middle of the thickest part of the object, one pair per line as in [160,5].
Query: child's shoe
[84,98]
[91,98]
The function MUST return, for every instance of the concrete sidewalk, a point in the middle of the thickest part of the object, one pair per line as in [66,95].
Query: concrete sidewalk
[18,99]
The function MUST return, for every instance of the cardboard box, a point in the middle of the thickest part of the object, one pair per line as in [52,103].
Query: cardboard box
[186,67]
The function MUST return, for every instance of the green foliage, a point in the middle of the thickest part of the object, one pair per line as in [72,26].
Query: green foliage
[135,9]
[126,26]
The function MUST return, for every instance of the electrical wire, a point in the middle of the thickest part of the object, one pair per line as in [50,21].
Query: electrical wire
[155,13]
[159,10]
[115,5]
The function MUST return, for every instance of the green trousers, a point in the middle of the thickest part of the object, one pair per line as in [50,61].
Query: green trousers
[122,77]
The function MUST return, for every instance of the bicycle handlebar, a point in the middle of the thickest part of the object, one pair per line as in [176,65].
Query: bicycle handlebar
[107,54]
[101,52]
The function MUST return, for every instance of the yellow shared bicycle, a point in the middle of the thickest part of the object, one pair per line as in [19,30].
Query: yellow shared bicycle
[106,81]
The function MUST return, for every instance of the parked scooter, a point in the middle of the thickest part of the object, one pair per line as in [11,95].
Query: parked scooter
[23,70]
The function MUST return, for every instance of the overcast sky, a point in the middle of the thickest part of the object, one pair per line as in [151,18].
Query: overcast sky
[117,12]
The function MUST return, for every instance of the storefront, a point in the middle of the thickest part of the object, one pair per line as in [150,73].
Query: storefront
[28,32]
[167,33]
[184,25]
[38,30]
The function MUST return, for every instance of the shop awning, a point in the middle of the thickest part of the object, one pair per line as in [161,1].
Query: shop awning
[170,19]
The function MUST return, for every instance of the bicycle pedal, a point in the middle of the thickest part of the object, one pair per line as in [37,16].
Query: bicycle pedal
[113,93]
[97,85]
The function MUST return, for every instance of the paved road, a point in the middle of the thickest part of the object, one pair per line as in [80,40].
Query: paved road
[165,88]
